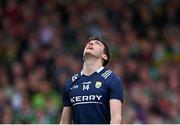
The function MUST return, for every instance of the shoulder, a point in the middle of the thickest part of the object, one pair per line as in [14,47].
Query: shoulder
[109,75]
[72,79]
[106,73]
[75,77]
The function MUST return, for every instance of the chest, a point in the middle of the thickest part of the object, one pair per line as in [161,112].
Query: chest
[83,90]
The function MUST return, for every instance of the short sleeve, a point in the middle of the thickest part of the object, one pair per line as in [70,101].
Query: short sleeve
[66,99]
[116,88]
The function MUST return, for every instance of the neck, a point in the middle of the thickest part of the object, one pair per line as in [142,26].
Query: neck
[91,65]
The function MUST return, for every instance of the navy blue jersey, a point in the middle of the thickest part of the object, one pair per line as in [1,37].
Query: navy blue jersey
[89,96]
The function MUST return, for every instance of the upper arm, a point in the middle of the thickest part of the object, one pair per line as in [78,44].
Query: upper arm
[115,110]
[66,98]
[116,99]
[66,117]
[116,88]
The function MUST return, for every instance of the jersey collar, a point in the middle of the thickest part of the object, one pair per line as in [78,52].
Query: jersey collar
[98,70]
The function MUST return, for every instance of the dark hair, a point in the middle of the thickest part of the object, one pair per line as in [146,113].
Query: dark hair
[106,47]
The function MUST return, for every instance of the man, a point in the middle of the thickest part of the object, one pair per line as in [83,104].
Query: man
[94,95]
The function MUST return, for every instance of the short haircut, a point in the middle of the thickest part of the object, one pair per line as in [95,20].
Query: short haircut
[106,47]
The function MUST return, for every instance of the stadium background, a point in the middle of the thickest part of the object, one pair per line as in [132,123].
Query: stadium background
[41,44]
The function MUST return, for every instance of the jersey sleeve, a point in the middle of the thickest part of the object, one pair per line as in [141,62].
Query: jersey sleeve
[116,88]
[66,99]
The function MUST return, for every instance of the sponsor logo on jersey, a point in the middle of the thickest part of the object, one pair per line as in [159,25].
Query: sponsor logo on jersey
[86,99]
[74,87]
[98,84]
[89,82]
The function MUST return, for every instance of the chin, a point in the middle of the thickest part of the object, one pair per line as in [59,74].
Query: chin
[88,53]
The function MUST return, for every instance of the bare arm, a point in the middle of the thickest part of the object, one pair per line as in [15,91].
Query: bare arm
[115,109]
[66,117]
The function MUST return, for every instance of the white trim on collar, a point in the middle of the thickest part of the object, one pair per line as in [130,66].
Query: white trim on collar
[98,70]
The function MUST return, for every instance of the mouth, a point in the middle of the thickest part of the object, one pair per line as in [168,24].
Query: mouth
[89,47]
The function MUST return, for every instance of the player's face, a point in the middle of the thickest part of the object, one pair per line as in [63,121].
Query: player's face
[95,48]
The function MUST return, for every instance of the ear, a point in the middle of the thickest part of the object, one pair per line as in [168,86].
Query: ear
[104,56]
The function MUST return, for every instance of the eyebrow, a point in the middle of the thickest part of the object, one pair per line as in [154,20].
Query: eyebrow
[96,41]
[99,42]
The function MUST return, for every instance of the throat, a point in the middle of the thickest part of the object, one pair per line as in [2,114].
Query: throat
[91,66]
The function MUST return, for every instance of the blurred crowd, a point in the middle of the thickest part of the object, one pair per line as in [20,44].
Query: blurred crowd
[41,45]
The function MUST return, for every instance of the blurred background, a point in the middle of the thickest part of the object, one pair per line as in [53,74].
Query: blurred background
[41,44]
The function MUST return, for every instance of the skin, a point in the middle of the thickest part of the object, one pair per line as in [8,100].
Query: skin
[93,60]
[66,117]
[115,110]
[93,57]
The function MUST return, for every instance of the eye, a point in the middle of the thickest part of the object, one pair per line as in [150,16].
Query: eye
[97,42]
[87,43]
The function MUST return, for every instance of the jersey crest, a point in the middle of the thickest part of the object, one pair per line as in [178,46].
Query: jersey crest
[98,84]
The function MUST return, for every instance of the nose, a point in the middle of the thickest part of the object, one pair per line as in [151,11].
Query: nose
[91,43]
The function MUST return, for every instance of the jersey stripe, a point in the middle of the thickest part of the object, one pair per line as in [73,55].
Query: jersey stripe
[79,103]
[106,74]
